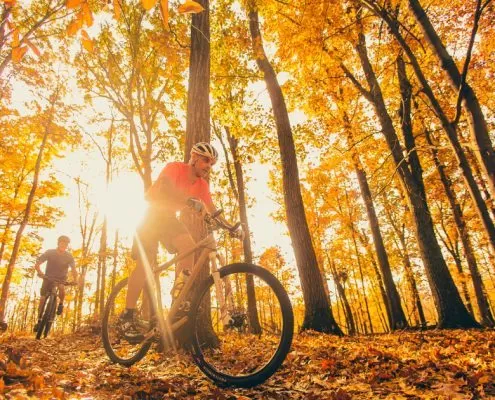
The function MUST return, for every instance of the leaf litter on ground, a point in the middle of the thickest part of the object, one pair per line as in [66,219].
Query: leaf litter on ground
[433,364]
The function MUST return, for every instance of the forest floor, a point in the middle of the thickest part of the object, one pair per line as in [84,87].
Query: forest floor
[447,364]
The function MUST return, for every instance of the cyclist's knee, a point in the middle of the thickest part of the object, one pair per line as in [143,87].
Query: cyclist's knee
[183,242]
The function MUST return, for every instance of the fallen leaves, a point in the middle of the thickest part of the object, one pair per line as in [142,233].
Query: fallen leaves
[406,365]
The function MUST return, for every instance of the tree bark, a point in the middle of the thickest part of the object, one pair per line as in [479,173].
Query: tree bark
[198,129]
[318,315]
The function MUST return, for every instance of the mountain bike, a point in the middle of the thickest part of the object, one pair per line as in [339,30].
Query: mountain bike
[238,327]
[50,307]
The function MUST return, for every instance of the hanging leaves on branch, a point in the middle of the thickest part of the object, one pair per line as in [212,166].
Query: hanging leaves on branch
[87,42]
[148,4]
[190,7]
[83,17]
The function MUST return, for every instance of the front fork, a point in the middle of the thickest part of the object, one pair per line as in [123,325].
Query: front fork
[224,299]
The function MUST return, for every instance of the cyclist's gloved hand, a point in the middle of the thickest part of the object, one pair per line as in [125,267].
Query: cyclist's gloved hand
[195,204]
[238,234]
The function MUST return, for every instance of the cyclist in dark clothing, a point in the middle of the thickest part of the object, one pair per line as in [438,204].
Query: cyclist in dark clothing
[58,262]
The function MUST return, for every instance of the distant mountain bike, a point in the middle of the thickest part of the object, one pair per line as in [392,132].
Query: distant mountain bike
[238,330]
[50,307]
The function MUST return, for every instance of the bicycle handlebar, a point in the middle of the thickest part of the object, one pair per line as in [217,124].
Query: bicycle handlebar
[60,281]
[215,222]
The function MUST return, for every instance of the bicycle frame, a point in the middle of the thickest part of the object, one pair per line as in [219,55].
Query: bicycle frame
[208,246]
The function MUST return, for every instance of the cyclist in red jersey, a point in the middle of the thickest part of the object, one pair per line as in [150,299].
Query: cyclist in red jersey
[179,185]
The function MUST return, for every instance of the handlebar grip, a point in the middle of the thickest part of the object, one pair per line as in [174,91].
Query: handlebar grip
[216,213]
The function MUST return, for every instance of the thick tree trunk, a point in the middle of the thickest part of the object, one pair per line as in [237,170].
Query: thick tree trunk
[477,122]
[198,100]
[451,311]
[318,315]
[198,124]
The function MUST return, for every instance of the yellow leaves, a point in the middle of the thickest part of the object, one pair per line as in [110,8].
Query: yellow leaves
[148,4]
[84,16]
[2,385]
[18,53]
[87,15]
[117,9]
[190,7]
[58,393]
[87,42]
[164,11]
[38,382]
[74,27]
[73,3]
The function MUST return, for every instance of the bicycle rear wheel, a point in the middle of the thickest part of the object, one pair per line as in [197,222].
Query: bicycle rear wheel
[45,323]
[119,348]
[246,346]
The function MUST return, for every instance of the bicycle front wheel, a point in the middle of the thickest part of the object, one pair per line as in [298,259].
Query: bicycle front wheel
[47,318]
[242,326]
[119,346]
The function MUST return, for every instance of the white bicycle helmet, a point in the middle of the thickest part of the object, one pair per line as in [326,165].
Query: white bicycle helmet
[205,149]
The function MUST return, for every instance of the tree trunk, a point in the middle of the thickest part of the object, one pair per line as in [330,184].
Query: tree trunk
[449,129]
[477,122]
[198,128]
[397,317]
[408,269]
[254,322]
[318,315]
[351,326]
[102,254]
[451,311]
[484,308]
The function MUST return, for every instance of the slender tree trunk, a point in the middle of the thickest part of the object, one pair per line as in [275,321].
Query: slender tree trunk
[477,122]
[246,244]
[351,326]
[27,210]
[448,127]
[486,315]
[408,269]
[115,260]
[102,254]
[397,318]
[452,312]
[318,315]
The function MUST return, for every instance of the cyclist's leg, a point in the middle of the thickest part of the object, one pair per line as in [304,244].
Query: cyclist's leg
[45,288]
[176,239]
[61,296]
[145,247]
[147,251]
